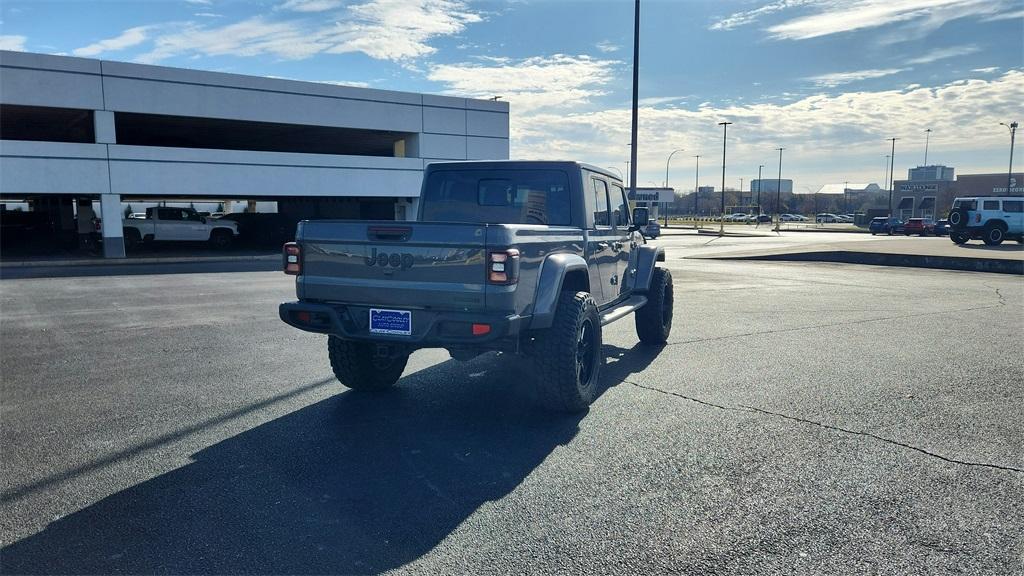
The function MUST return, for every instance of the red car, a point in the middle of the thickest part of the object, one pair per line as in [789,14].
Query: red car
[922,226]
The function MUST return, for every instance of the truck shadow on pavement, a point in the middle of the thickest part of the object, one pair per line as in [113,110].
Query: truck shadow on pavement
[349,484]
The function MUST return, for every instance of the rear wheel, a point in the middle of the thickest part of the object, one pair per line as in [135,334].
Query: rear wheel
[654,320]
[221,239]
[365,366]
[959,237]
[132,238]
[994,234]
[568,355]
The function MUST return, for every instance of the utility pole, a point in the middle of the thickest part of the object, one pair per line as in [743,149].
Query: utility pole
[778,194]
[927,136]
[1013,134]
[725,131]
[892,169]
[846,188]
[759,190]
[636,88]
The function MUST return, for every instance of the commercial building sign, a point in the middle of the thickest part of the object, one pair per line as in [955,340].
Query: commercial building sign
[919,187]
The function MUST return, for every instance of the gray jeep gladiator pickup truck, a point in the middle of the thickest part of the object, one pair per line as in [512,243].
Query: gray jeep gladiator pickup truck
[528,258]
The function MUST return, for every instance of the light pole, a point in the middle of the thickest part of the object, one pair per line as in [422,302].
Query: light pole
[927,136]
[759,189]
[846,188]
[1013,134]
[666,180]
[725,130]
[696,189]
[636,83]
[892,169]
[778,194]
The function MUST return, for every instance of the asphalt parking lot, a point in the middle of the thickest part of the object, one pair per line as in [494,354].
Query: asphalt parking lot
[804,419]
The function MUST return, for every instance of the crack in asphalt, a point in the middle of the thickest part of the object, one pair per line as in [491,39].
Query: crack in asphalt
[1002,299]
[753,409]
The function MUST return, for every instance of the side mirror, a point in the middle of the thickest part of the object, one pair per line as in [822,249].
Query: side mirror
[640,217]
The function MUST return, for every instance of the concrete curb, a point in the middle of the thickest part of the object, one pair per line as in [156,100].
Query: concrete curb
[733,234]
[994,265]
[137,261]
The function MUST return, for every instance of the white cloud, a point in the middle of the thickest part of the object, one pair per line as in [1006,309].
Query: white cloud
[13,43]
[395,30]
[656,100]
[128,38]
[942,53]
[200,2]
[988,70]
[607,46]
[311,5]
[530,84]
[839,78]
[344,83]
[745,17]
[207,14]
[835,17]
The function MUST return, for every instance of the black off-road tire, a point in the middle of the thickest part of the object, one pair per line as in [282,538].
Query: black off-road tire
[958,237]
[221,238]
[566,374]
[957,218]
[994,234]
[654,320]
[356,365]
[132,238]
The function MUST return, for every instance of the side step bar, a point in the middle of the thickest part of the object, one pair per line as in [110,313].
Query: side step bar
[632,305]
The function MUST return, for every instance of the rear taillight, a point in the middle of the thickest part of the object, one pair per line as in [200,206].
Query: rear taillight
[98,225]
[292,259]
[503,267]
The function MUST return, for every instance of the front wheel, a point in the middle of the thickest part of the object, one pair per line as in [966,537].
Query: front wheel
[654,320]
[365,366]
[221,239]
[568,355]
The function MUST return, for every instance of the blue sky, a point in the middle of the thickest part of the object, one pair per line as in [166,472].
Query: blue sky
[829,80]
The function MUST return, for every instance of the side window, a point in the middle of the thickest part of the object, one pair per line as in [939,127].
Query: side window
[990,205]
[601,216]
[621,210]
[169,214]
[1013,205]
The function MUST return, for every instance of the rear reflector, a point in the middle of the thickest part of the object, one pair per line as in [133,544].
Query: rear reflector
[292,259]
[481,329]
[304,317]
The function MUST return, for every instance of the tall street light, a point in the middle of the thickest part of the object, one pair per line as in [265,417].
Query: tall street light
[636,83]
[885,179]
[778,194]
[1013,134]
[846,188]
[759,190]
[892,169]
[721,223]
[696,189]
[666,180]
[927,136]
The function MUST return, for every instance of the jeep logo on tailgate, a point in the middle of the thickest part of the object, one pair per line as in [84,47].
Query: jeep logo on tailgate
[394,260]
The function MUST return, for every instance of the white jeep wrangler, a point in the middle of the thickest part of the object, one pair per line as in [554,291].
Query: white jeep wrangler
[990,218]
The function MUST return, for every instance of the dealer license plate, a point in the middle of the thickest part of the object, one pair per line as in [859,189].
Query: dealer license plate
[390,321]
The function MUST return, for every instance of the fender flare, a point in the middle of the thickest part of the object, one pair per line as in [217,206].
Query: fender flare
[646,258]
[549,286]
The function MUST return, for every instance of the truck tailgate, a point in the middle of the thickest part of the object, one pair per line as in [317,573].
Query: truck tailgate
[385,263]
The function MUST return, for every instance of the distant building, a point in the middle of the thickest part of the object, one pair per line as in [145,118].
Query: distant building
[931,173]
[652,198]
[934,198]
[771,185]
[849,188]
[989,185]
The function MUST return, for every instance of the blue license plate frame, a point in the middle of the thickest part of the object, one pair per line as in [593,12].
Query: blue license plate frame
[390,321]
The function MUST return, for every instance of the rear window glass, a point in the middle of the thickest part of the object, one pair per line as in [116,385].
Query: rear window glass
[991,205]
[497,197]
[966,204]
[1013,205]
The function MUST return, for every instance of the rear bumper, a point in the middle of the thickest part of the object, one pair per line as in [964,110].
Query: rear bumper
[430,328]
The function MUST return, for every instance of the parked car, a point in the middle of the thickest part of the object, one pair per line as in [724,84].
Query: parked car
[885,225]
[177,225]
[826,218]
[991,218]
[845,218]
[137,215]
[736,217]
[942,228]
[921,226]
[652,230]
[759,218]
[485,268]
[788,218]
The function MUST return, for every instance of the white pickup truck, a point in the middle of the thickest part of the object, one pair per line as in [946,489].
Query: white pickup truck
[179,225]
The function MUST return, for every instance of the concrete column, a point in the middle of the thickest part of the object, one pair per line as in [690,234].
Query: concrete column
[113,233]
[103,122]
